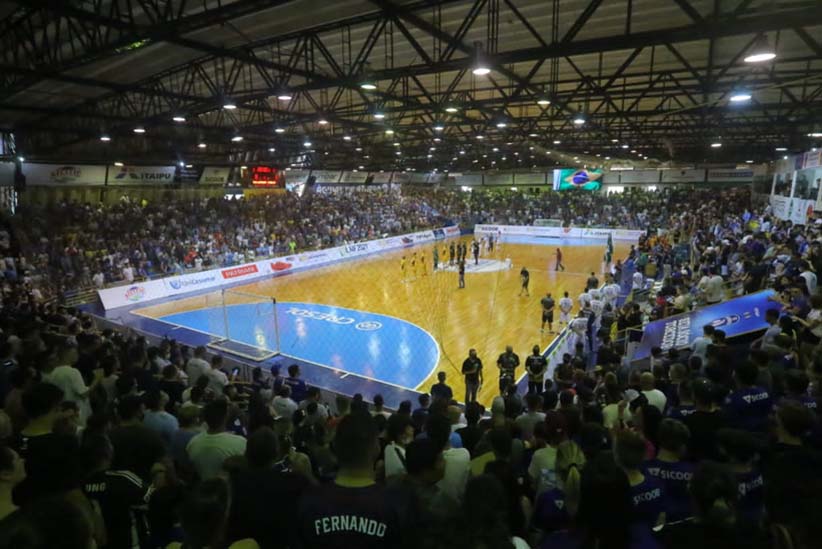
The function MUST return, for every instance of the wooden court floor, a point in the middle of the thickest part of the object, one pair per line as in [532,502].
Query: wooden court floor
[486,315]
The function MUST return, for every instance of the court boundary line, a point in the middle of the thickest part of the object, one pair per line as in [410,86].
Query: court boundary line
[363,376]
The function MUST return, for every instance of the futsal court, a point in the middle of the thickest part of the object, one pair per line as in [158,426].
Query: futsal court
[363,318]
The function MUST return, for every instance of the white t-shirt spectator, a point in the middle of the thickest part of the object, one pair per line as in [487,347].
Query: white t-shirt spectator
[638,281]
[527,421]
[196,367]
[457,471]
[322,411]
[98,279]
[284,406]
[714,289]
[70,381]
[128,274]
[394,460]
[656,398]
[700,347]
[810,281]
[207,452]
[217,380]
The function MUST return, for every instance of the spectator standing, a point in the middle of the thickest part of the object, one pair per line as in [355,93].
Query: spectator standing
[207,451]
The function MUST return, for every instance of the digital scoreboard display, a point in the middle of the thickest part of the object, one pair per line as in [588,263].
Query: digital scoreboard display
[267,176]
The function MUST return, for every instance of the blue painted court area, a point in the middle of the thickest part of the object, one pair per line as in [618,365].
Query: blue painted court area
[374,346]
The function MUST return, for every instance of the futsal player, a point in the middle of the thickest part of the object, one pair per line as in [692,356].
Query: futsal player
[402,268]
[547,313]
[525,278]
[559,266]
[423,268]
[610,292]
[490,243]
[451,253]
[413,265]
[462,274]
[476,247]
[444,255]
[436,257]
[565,306]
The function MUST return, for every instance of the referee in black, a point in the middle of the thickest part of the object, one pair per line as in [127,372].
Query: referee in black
[507,364]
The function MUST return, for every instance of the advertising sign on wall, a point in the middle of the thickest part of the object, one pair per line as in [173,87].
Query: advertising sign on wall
[50,175]
[141,175]
[326,176]
[530,178]
[683,176]
[730,175]
[499,179]
[215,175]
[735,317]
[639,176]
[381,177]
[354,177]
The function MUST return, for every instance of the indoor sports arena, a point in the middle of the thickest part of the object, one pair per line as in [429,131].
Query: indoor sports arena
[442,274]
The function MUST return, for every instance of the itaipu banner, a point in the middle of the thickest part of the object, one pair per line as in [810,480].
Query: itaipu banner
[736,317]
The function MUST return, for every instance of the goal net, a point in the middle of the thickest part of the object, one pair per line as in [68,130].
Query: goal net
[246,323]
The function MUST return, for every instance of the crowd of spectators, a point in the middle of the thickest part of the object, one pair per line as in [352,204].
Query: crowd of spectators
[70,246]
[111,441]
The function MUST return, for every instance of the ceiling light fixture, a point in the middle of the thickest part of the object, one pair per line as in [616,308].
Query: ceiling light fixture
[105,138]
[237,138]
[202,145]
[139,129]
[761,51]
[481,67]
[229,105]
[179,118]
[740,96]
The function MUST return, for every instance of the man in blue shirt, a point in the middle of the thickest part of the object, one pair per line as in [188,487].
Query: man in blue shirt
[298,387]
[749,405]
[670,467]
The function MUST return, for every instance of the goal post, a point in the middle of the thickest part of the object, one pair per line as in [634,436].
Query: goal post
[248,325]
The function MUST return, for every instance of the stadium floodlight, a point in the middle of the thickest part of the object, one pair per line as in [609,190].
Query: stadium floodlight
[438,127]
[761,51]
[202,145]
[279,130]
[237,138]
[716,145]
[451,109]
[179,118]
[579,117]
[229,105]
[105,138]
[740,96]
[481,67]
[139,129]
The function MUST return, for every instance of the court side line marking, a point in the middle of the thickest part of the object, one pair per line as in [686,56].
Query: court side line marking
[326,366]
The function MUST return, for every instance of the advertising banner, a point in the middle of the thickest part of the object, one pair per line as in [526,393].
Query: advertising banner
[559,232]
[215,175]
[326,176]
[141,175]
[469,179]
[401,177]
[730,175]
[499,179]
[51,175]
[418,177]
[354,177]
[530,178]
[381,177]
[812,159]
[735,317]
[296,176]
[683,176]
[781,206]
[800,210]
[639,176]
